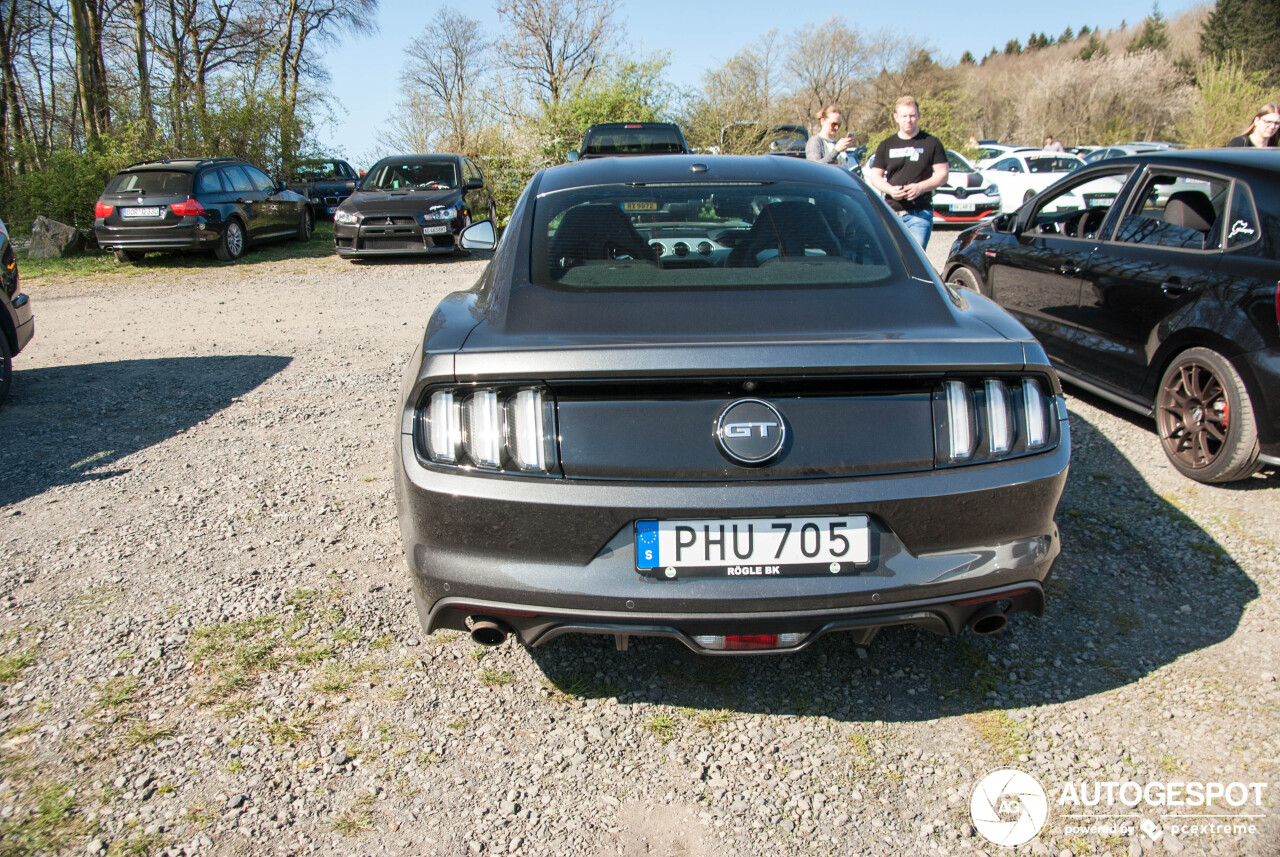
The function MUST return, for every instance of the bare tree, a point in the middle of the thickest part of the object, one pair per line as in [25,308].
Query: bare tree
[741,99]
[556,45]
[87,23]
[445,70]
[827,62]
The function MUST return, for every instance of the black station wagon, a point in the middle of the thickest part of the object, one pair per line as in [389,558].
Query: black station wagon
[218,204]
[727,401]
[1154,281]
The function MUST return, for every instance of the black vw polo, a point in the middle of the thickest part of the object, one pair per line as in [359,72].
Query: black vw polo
[724,400]
[1154,281]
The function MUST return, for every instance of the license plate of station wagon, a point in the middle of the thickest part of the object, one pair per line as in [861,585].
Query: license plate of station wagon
[754,547]
[148,211]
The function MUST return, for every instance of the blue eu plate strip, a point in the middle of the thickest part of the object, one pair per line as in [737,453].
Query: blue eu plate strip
[647,544]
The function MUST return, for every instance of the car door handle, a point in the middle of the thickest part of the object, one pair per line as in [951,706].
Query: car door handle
[1174,288]
[1069,270]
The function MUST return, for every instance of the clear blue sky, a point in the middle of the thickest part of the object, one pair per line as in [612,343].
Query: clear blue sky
[700,36]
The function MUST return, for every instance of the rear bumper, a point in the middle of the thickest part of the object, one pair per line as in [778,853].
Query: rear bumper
[182,236]
[549,557]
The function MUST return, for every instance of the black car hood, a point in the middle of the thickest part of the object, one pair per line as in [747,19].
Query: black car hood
[398,202]
[913,323]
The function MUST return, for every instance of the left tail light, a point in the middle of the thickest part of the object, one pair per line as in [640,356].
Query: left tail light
[496,429]
[101,209]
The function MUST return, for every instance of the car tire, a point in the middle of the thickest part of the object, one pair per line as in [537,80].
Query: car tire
[6,368]
[967,278]
[231,244]
[306,225]
[1027,196]
[1205,418]
[129,255]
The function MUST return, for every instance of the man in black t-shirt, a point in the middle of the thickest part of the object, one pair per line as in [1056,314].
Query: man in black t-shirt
[907,167]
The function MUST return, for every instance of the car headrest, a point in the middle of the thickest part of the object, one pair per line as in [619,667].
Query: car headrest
[1192,209]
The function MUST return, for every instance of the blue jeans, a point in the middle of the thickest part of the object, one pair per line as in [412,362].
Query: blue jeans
[919,224]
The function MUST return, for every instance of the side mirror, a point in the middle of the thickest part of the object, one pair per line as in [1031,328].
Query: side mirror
[1003,223]
[479,236]
[474,183]
[571,157]
[280,185]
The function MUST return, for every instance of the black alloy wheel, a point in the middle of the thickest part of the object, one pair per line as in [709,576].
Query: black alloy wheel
[1205,418]
[6,368]
[965,278]
[306,224]
[231,244]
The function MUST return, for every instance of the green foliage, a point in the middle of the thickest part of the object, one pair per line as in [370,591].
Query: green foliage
[1226,97]
[1093,48]
[1247,30]
[1154,35]
[631,91]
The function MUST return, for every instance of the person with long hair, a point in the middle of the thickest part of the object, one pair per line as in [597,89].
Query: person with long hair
[1263,132]
[823,147]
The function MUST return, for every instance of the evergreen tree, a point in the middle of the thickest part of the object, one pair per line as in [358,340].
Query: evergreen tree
[1248,30]
[967,59]
[1067,36]
[1012,47]
[1154,35]
[1093,48]
[1084,31]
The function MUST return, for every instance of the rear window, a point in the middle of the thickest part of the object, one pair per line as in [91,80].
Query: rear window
[433,175]
[155,182]
[633,141]
[695,236]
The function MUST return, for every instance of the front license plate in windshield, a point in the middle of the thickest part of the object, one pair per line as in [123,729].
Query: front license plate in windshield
[150,211]
[755,547]
[434,230]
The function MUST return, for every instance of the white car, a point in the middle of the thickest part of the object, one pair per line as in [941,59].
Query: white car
[1022,175]
[967,197]
[989,153]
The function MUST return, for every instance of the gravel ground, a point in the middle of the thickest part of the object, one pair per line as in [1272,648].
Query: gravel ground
[207,643]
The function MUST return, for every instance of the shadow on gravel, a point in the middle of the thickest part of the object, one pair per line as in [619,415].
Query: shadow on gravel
[69,424]
[1137,586]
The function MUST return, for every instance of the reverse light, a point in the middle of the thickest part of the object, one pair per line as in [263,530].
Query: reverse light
[959,421]
[101,209]
[188,207]
[999,427]
[444,427]
[482,429]
[747,642]
[1033,402]
[527,414]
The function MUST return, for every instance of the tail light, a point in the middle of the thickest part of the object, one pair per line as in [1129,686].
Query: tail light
[748,642]
[101,209]
[188,207]
[989,419]
[491,428]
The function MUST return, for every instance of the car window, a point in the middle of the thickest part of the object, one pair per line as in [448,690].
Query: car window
[209,182]
[235,178]
[1172,210]
[1008,165]
[957,164]
[1080,209]
[633,141]
[708,236]
[157,182]
[259,179]
[429,175]
[1242,226]
[1051,165]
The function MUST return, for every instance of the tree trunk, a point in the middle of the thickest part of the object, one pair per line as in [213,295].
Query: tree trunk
[145,106]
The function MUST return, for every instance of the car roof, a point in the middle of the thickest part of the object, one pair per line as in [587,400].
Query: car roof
[181,164]
[670,169]
[1259,162]
[618,126]
[419,158]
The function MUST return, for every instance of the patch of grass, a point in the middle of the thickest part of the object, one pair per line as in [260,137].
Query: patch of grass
[235,766]
[860,747]
[713,719]
[1126,622]
[426,760]
[141,734]
[444,637]
[354,820]
[46,822]
[290,729]
[11,666]
[116,692]
[308,651]
[395,694]
[137,846]
[567,687]
[200,814]
[1170,765]
[333,678]
[490,677]
[384,642]
[662,726]
[457,724]
[998,730]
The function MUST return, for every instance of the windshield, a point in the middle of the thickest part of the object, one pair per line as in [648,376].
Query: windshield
[429,175]
[1057,164]
[633,141]
[703,235]
[956,163]
[158,182]
[319,171]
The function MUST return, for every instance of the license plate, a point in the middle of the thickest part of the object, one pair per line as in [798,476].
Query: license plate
[963,206]
[434,230]
[150,211]
[752,547]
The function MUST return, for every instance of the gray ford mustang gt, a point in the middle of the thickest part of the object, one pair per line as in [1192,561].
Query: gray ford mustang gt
[724,400]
